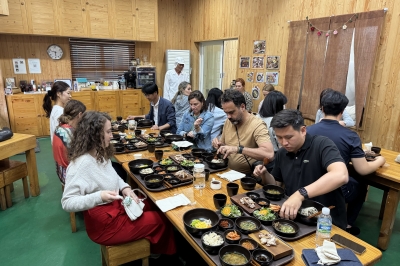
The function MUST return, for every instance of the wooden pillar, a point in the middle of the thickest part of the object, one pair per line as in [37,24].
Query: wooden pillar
[4,119]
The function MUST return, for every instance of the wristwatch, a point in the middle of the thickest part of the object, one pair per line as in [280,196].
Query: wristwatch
[240,149]
[303,192]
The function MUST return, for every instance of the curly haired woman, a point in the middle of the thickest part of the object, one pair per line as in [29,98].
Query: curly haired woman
[92,186]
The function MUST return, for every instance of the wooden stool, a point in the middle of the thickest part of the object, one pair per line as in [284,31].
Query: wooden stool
[71,215]
[10,173]
[117,255]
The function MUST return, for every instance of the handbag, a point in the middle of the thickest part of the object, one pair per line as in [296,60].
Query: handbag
[5,134]
[133,209]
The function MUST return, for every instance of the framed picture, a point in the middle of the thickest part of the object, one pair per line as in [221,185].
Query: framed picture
[259,47]
[244,62]
[272,78]
[250,76]
[273,62]
[258,62]
[255,92]
[68,81]
[260,77]
[10,83]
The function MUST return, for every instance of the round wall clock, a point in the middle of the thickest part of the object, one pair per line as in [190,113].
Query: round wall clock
[55,52]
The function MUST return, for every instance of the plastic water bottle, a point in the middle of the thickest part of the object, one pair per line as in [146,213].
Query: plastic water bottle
[199,175]
[324,227]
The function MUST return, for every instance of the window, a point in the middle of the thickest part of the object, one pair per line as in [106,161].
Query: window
[100,59]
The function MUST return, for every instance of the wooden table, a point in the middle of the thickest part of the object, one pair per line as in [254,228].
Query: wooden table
[204,199]
[23,143]
[386,178]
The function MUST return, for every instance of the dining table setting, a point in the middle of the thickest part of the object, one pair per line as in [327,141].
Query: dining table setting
[232,219]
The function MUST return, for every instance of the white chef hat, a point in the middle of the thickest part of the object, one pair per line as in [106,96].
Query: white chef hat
[179,61]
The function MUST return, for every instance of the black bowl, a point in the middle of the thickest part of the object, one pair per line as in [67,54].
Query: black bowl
[275,197]
[231,224]
[252,241]
[145,122]
[303,218]
[171,138]
[212,249]
[156,184]
[285,222]
[116,136]
[267,202]
[266,222]
[262,257]
[158,168]
[159,143]
[197,152]
[168,176]
[176,168]
[207,154]
[130,147]
[248,183]
[138,119]
[253,195]
[133,141]
[237,249]
[143,175]
[119,147]
[133,165]
[173,180]
[231,216]
[247,219]
[164,131]
[230,241]
[212,165]
[201,214]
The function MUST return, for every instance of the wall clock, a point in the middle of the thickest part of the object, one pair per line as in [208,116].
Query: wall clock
[55,52]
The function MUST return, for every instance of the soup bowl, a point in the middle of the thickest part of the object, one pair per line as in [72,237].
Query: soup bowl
[234,249]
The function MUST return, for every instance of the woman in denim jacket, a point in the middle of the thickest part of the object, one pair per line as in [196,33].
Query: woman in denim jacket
[197,122]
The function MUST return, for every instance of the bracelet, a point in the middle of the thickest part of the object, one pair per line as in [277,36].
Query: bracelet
[124,188]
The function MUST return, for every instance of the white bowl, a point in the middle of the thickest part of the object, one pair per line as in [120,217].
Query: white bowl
[137,156]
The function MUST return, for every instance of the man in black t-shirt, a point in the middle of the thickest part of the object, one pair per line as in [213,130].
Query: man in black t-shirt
[309,167]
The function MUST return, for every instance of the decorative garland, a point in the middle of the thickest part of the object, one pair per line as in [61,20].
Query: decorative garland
[335,31]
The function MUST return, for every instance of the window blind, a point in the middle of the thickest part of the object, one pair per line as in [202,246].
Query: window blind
[97,60]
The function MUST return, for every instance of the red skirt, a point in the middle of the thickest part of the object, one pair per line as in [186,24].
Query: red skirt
[109,225]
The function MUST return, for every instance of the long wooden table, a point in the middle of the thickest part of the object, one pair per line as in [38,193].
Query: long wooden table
[386,178]
[23,143]
[204,199]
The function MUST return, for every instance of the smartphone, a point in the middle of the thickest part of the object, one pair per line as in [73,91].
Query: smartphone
[347,243]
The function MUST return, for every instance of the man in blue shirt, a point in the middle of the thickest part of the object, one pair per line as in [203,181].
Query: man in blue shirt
[349,145]
[162,111]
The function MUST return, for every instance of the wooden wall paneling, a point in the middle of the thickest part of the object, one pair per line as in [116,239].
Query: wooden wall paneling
[87,98]
[4,120]
[107,101]
[16,21]
[4,8]
[125,19]
[230,62]
[147,20]
[72,15]
[99,20]
[42,17]
[130,103]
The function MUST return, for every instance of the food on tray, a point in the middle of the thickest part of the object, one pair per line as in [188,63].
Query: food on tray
[179,158]
[146,171]
[197,160]
[145,136]
[172,168]
[140,144]
[262,203]
[182,174]
[248,225]
[234,258]
[129,136]
[267,239]
[158,168]
[265,214]
[167,134]
[114,141]
[213,239]
[123,121]
[115,127]
[141,165]
[308,211]
[153,180]
[273,191]
[284,228]
[233,235]
[248,201]
[162,173]
[201,224]
[224,224]
[248,245]
[166,161]
[217,160]
[231,210]
[187,163]
[275,208]
[151,139]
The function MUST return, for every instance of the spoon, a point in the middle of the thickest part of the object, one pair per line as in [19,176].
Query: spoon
[318,213]
[266,161]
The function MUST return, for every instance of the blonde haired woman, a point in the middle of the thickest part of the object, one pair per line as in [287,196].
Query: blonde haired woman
[266,89]
[180,100]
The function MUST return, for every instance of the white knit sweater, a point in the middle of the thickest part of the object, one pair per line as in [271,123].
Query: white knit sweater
[85,180]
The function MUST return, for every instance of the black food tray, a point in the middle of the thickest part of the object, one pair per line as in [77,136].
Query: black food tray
[172,157]
[304,230]
[215,257]
[129,151]
[163,187]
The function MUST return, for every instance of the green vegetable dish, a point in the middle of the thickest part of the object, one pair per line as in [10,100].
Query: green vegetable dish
[265,214]
[231,210]
[166,162]
[234,258]
[284,228]
[187,163]
[248,225]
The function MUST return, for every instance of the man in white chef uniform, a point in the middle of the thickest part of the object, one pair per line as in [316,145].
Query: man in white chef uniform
[173,78]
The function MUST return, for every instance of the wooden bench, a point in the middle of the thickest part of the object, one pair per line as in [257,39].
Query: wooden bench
[71,215]
[117,255]
[11,171]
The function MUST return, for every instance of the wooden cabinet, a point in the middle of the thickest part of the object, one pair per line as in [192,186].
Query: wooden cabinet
[72,17]
[125,19]
[130,103]
[86,98]
[107,101]
[42,17]
[4,8]
[100,21]
[147,20]
[16,21]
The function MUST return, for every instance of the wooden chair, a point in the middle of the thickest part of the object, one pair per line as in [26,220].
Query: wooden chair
[71,215]
[11,171]
[117,255]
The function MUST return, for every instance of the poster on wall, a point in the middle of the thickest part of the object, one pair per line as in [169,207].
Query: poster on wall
[272,78]
[250,76]
[273,62]
[255,92]
[244,62]
[34,65]
[260,77]
[19,66]
[258,62]
[259,47]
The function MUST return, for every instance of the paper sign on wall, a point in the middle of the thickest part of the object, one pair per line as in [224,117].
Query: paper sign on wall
[34,65]
[19,66]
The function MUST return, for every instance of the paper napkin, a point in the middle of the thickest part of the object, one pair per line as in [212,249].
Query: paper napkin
[170,203]
[327,254]
[231,175]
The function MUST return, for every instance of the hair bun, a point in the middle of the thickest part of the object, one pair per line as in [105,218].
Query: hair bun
[49,93]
